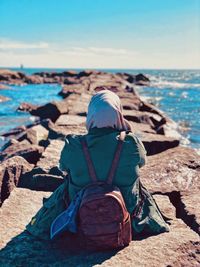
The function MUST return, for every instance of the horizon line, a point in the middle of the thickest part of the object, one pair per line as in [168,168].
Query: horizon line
[96,68]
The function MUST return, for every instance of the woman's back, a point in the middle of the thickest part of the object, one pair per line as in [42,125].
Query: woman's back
[102,143]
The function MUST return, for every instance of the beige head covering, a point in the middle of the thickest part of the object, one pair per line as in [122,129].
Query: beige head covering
[105,110]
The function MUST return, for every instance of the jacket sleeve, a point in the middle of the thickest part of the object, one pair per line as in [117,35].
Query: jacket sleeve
[142,152]
[64,156]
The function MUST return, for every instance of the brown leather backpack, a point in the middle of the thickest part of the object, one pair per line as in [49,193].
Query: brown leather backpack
[103,220]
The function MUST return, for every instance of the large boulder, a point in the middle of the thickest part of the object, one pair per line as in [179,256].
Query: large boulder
[11,171]
[78,104]
[13,132]
[179,246]
[187,208]
[156,143]
[72,89]
[34,79]
[144,117]
[51,110]
[141,128]
[12,77]
[70,120]
[141,79]
[175,169]
[34,135]
[24,149]
[6,75]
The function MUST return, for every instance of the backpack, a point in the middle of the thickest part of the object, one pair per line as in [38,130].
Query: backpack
[103,220]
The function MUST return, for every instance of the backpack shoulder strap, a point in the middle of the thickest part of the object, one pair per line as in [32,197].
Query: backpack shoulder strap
[116,158]
[90,165]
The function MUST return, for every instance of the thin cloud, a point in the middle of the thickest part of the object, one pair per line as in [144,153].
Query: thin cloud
[6,44]
[97,51]
[108,50]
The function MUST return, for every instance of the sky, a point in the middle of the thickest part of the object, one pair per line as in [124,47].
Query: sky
[123,34]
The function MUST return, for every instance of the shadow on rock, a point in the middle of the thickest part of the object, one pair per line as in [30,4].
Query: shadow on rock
[26,250]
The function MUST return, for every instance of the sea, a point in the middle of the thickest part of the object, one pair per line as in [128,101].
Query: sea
[176,92]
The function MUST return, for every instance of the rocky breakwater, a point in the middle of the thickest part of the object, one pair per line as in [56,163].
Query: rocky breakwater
[29,171]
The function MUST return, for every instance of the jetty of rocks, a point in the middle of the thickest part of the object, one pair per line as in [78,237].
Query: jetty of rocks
[29,172]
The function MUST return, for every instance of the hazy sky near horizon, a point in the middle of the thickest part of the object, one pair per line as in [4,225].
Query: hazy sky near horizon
[100,33]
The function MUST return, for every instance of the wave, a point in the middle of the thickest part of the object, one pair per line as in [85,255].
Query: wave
[161,83]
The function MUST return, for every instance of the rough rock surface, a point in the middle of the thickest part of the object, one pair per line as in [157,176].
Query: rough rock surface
[156,143]
[70,120]
[21,249]
[50,157]
[24,149]
[10,172]
[189,210]
[176,169]
[51,110]
[34,134]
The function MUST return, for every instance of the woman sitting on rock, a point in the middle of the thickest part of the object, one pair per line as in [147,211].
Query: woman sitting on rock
[104,124]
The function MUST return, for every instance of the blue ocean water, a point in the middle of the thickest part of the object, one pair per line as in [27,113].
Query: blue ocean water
[35,94]
[176,92]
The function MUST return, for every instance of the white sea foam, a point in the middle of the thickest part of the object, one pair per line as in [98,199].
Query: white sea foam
[161,83]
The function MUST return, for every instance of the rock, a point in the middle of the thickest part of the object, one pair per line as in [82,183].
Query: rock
[41,132]
[50,157]
[188,210]
[70,120]
[168,131]
[8,74]
[70,73]
[78,104]
[24,250]
[34,134]
[24,149]
[27,107]
[141,79]
[29,135]
[86,73]
[130,103]
[51,110]
[144,106]
[10,172]
[34,79]
[72,89]
[143,117]
[13,132]
[12,77]
[4,98]
[60,132]
[18,209]
[141,128]
[176,169]
[10,142]
[156,143]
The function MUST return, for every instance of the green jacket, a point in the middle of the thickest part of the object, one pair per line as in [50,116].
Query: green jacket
[102,144]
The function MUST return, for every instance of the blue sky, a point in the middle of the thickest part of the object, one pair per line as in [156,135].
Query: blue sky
[100,33]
